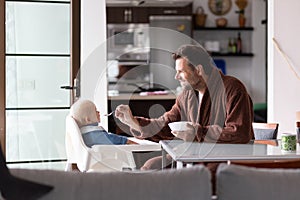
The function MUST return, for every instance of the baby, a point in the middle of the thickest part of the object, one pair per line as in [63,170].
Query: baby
[87,117]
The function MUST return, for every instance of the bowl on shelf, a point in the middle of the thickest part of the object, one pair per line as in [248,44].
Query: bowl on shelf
[221,22]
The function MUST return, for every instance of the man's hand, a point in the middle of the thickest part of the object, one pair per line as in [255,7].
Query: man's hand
[187,135]
[124,114]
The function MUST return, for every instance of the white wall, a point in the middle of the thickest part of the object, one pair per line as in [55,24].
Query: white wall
[258,73]
[93,54]
[250,70]
[283,85]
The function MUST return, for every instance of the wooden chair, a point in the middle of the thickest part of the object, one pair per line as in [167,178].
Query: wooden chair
[265,131]
[269,142]
[285,164]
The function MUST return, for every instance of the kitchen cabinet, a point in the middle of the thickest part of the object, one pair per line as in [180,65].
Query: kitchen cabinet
[140,14]
[127,15]
[204,34]
[185,10]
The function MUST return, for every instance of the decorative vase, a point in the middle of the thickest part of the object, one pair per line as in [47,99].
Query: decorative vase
[242,20]
[241,4]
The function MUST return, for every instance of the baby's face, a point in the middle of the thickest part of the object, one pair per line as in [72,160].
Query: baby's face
[98,115]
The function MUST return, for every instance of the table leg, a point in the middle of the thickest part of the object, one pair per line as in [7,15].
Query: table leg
[189,165]
[179,165]
[163,162]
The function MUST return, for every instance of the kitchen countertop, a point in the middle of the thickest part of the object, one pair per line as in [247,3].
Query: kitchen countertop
[136,96]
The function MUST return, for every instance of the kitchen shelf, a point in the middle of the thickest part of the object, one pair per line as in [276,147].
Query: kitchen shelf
[213,54]
[215,36]
[223,29]
[127,81]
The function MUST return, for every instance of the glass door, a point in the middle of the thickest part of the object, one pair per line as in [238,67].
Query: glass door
[38,59]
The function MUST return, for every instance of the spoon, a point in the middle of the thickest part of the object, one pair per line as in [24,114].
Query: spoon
[109,114]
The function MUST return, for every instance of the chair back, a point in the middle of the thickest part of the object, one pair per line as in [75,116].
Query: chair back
[265,131]
[97,158]
[77,151]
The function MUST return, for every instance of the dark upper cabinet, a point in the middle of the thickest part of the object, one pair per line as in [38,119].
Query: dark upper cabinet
[141,14]
[115,14]
[127,15]
[186,10]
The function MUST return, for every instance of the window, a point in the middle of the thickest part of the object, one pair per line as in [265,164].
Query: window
[37,62]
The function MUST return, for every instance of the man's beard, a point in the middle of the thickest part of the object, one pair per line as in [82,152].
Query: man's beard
[186,85]
[200,85]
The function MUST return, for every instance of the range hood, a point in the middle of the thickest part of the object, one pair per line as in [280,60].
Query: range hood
[148,3]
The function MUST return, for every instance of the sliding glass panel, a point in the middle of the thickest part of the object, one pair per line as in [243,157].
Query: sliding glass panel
[37,28]
[35,134]
[44,0]
[36,81]
[59,165]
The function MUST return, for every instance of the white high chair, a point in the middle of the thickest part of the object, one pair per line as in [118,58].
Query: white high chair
[100,157]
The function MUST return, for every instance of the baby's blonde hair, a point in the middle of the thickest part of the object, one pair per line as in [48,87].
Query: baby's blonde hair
[84,112]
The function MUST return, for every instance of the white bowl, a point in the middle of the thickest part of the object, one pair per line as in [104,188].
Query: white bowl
[179,126]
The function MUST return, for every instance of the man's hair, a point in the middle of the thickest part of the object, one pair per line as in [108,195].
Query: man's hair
[195,55]
[84,112]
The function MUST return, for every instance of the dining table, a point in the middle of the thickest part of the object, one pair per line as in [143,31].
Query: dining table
[188,153]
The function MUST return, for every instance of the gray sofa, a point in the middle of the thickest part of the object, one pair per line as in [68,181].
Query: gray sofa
[188,183]
[233,182]
[249,183]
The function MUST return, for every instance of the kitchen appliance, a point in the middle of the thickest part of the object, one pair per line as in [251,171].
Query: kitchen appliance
[128,75]
[128,46]
[167,33]
[127,41]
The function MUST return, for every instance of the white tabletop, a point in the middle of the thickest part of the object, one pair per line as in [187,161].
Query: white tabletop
[188,152]
[141,146]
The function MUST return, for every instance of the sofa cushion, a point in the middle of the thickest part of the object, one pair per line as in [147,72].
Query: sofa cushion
[188,183]
[240,182]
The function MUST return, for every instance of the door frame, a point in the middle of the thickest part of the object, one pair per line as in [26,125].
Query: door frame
[75,45]
[74,60]
[2,76]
